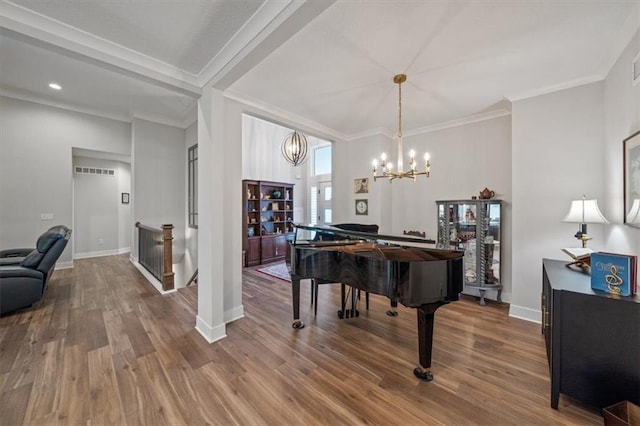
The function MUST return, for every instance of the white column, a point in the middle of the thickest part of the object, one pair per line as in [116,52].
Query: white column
[210,319]
[230,202]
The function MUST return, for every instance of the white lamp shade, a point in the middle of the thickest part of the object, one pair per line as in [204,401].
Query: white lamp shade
[634,213]
[584,211]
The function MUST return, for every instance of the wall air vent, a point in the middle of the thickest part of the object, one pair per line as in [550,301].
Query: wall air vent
[636,69]
[93,171]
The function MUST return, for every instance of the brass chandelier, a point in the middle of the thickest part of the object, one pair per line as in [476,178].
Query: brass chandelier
[387,171]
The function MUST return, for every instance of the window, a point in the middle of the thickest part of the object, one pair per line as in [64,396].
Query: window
[193,186]
[322,160]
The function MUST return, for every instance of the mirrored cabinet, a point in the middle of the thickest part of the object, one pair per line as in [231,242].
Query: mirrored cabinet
[474,226]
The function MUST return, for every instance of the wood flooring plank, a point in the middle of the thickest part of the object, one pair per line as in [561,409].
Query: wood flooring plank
[73,386]
[47,374]
[138,337]
[103,385]
[10,345]
[13,404]
[103,347]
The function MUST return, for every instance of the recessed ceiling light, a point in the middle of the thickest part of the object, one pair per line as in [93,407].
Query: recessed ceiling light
[55,86]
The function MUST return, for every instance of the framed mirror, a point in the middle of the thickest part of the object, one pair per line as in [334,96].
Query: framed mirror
[631,167]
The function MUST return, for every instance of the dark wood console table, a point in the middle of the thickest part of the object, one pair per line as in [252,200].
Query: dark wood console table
[592,339]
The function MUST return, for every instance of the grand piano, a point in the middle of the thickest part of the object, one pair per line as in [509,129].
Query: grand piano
[402,268]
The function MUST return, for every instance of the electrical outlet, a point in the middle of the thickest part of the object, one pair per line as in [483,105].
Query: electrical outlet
[46,216]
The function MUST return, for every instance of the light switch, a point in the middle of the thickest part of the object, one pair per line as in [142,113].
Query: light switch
[46,216]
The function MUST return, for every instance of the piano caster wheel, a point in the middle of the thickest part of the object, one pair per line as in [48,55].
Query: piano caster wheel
[423,375]
[392,313]
[340,314]
[297,324]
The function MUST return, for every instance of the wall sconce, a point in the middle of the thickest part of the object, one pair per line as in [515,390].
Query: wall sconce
[584,211]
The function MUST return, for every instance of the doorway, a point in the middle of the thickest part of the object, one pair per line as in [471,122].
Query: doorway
[323,202]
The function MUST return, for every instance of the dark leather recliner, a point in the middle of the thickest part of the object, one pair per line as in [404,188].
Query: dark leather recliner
[24,273]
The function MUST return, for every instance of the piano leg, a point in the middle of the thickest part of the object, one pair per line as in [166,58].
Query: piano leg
[425,339]
[295,292]
[343,301]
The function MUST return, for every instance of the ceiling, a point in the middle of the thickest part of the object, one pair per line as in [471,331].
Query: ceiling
[325,64]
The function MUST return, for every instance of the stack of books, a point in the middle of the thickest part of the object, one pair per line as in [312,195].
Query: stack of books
[614,273]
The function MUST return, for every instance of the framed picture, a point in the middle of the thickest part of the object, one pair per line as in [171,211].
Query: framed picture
[125,198]
[362,207]
[361,185]
[632,180]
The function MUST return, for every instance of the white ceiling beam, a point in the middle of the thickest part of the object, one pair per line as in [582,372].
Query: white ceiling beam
[273,24]
[19,22]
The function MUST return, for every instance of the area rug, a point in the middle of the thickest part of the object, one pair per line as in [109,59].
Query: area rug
[278,270]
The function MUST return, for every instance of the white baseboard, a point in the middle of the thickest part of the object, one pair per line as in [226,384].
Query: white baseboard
[210,334]
[526,314]
[152,280]
[64,265]
[489,294]
[234,314]
[101,253]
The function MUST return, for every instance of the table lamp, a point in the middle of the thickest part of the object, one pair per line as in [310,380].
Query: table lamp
[584,211]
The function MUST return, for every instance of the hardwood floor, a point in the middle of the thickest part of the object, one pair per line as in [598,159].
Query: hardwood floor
[104,348]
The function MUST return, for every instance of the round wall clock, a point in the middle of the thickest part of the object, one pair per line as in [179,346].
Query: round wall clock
[362,207]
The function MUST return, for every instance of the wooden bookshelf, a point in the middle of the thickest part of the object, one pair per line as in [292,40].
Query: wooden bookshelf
[268,220]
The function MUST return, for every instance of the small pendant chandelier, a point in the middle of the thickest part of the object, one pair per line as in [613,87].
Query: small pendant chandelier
[294,148]
[386,166]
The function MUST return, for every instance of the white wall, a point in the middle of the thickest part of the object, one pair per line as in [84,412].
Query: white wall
[158,181]
[123,174]
[557,156]
[101,222]
[352,160]
[622,118]
[36,144]
[464,159]
[262,159]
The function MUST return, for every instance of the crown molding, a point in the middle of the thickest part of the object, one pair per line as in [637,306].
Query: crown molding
[158,119]
[269,111]
[370,133]
[273,113]
[126,118]
[554,88]
[17,20]
[489,115]
[60,105]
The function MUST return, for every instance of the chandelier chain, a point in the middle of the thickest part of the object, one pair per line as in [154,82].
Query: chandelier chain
[400,109]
